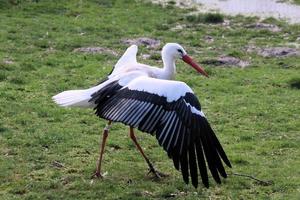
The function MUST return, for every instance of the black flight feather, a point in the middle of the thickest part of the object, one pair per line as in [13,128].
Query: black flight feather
[186,136]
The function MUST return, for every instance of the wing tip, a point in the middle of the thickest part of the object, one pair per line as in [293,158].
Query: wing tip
[195,183]
[228,163]
[134,47]
[206,185]
[186,179]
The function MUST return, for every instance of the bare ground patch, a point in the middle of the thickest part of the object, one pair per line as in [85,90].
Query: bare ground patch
[264,26]
[227,61]
[148,42]
[95,50]
[274,51]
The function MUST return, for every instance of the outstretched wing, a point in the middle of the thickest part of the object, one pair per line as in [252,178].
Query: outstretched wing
[171,111]
[129,57]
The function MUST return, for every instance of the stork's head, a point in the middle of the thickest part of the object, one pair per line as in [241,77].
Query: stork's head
[175,50]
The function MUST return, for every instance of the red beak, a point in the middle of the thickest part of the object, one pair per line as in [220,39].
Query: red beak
[190,61]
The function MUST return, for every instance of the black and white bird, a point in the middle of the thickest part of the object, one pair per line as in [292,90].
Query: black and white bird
[147,98]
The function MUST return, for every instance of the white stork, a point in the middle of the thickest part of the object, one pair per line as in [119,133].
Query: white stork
[145,98]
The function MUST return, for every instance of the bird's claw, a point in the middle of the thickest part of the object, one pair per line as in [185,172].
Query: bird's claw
[97,175]
[157,174]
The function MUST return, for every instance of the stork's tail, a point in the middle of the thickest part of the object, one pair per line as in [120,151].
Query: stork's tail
[73,98]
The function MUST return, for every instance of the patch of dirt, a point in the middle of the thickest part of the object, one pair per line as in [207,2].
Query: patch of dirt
[274,51]
[148,42]
[279,51]
[227,61]
[95,50]
[264,26]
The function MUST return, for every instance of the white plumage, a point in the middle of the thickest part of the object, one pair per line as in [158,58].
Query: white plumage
[73,98]
[172,90]
[145,98]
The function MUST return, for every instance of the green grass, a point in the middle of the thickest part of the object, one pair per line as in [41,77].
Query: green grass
[212,18]
[296,2]
[255,111]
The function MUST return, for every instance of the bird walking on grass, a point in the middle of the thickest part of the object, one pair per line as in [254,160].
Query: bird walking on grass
[146,98]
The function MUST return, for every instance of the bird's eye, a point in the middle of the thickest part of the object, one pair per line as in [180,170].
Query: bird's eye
[180,51]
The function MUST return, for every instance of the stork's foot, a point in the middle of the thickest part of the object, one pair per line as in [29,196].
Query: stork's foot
[157,174]
[97,175]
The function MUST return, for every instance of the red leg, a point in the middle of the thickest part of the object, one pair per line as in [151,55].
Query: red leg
[151,168]
[101,147]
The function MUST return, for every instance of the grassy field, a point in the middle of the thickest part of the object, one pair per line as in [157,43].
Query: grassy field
[47,152]
[296,1]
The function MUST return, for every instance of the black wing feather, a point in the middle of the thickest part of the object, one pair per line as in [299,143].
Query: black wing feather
[201,162]
[193,166]
[184,166]
[175,157]
[186,136]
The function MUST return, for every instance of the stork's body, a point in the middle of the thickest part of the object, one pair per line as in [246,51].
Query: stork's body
[146,98]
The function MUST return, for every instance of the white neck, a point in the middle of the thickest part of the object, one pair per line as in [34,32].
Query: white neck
[169,69]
